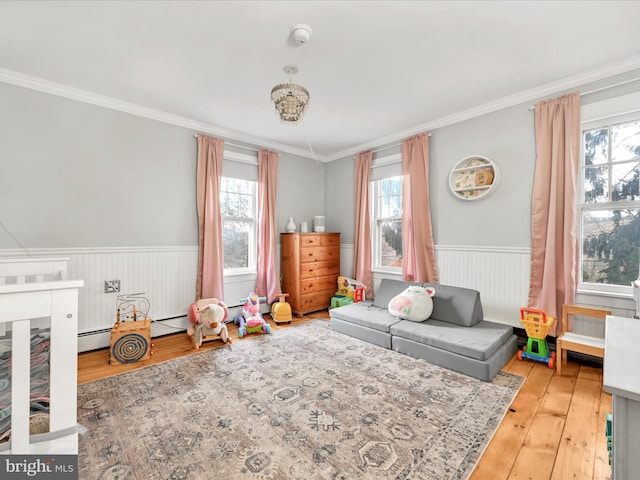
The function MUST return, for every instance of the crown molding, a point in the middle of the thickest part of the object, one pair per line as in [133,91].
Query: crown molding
[39,252]
[53,88]
[35,83]
[601,73]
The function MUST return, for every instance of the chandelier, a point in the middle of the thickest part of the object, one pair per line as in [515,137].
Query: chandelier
[290,100]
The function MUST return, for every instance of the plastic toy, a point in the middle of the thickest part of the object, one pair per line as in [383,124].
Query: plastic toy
[339,301]
[537,325]
[250,320]
[347,287]
[208,317]
[349,291]
[281,310]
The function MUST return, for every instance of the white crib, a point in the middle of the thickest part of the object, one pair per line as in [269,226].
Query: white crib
[32,289]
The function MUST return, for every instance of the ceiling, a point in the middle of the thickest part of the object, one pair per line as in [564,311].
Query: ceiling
[377,71]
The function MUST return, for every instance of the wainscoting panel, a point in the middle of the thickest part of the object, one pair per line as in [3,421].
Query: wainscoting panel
[346,260]
[165,275]
[501,275]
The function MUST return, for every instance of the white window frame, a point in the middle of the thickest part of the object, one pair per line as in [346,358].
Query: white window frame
[253,231]
[374,197]
[604,114]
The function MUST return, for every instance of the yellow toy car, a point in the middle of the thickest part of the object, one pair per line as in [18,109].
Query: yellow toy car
[281,310]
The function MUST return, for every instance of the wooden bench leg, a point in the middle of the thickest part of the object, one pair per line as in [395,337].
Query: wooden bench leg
[561,356]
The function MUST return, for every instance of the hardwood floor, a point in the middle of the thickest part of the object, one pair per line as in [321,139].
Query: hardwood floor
[553,430]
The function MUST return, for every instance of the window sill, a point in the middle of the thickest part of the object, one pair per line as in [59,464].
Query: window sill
[603,293]
[239,273]
[387,271]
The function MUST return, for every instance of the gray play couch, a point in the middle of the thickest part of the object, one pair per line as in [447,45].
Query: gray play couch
[456,336]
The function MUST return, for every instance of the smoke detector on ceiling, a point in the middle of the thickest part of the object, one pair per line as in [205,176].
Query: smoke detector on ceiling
[300,33]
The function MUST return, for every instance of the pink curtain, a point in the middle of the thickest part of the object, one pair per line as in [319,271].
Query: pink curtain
[267,282]
[418,252]
[210,281]
[362,240]
[554,224]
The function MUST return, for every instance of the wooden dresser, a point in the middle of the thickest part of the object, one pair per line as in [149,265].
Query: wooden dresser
[310,265]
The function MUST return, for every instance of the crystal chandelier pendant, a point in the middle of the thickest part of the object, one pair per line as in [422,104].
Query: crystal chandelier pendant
[290,100]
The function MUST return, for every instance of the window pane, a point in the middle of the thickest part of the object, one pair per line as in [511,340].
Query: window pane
[235,241]
[625,181]
[236,198]
[396,185]
[596,184]
[244,206]
[390,243]
[385,186]
[235,207]
[395,206]
[384,207]
[596,147]
[610,246]
[236,185]
[625,141]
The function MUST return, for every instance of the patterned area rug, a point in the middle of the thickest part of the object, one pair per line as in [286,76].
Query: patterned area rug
[301,403]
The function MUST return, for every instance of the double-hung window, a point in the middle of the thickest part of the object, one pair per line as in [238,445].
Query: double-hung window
[386,224]
[610,204]
[239,220]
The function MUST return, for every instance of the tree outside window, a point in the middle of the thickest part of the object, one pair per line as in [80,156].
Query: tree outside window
[610,208]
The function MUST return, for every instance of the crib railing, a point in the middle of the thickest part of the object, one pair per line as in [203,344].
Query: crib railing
[36,269]
[22,305]
[29,270]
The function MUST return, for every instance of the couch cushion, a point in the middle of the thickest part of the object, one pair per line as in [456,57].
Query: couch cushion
[388,289]
[457,305]
[366,315]
[479,342]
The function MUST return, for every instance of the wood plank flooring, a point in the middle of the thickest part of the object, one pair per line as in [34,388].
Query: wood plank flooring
[554,428]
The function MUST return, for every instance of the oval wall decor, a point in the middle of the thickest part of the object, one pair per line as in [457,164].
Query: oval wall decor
[474,177]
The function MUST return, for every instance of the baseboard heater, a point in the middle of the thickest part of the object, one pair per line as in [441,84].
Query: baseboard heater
[101,338]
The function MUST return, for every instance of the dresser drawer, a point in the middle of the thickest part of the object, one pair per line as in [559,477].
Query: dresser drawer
[315,301]
[319,240]
[319,254]
[330,240]
[309,241]
[318,284]
[319,269]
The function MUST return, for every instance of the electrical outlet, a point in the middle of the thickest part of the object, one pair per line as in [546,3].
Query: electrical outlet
[111,286]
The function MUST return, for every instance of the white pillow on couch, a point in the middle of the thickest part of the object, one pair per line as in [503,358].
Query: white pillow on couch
[414,304]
